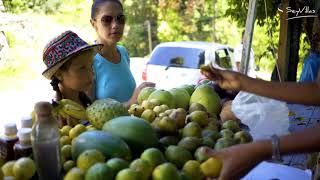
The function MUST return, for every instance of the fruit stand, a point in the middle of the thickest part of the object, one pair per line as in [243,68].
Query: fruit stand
[166,135]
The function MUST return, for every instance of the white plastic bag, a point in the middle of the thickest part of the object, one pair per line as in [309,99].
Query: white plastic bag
[262,115]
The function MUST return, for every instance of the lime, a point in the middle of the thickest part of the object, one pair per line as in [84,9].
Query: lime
[153,156]
[192,170]
[211,167]
[88,158]
[99,171]
[73,133]
[142,166]
[117,164]
[7,168]
[165,171]
[68,165]
[128,174]
[64,140]
[66,151]
[24,168]
[65,130]
[74,174]
[80,127]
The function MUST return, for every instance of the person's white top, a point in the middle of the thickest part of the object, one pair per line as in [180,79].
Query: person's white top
[237,58]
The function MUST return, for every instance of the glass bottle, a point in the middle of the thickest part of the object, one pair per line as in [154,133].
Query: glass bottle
[45,138]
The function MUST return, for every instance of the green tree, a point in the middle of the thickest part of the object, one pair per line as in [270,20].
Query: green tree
[138,12]
[297,27]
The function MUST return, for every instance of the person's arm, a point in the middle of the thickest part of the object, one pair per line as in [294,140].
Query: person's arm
[292,92]
[240,159]
[238,65]
[136,93]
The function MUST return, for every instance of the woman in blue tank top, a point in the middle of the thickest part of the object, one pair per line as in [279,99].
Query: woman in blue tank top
[113,78]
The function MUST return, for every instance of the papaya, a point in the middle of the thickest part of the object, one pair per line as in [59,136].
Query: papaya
[136,132]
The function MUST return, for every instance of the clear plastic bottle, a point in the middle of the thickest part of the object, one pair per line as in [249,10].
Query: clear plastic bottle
[23,148]
[7,142]
[45,143]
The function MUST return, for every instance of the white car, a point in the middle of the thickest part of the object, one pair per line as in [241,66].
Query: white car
[173,64]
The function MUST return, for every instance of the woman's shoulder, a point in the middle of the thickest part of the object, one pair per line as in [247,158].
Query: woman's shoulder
[122,49]
[97,59]
[124,52]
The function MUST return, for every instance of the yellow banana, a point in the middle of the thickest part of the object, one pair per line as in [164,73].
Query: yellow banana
[63,102]
[74,111]
[63,114]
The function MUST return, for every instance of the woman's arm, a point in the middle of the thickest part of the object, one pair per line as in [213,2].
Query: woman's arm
[240,159]
[292,92]
[136,93]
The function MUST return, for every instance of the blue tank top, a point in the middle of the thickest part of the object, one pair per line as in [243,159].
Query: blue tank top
[114,80]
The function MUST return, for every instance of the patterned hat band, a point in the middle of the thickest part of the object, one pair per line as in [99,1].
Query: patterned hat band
[62,47]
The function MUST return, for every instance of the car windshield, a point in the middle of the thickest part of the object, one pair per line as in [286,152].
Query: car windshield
[178,57]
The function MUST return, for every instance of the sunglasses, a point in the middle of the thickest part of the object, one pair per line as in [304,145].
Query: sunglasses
[107,20]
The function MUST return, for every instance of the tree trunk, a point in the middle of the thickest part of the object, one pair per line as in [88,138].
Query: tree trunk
[315,42]
[294,32]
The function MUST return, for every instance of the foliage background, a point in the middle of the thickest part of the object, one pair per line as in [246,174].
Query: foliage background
[171,20]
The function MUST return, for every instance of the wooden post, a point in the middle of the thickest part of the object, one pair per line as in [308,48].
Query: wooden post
[247,40]
[149,36]
[284,49]
[214,20]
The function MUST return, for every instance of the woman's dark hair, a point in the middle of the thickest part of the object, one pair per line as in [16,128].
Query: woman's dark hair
[97,3]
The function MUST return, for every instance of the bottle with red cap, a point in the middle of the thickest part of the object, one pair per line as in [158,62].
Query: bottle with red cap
[45,138]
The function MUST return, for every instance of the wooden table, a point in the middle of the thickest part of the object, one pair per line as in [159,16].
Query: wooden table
[301,117]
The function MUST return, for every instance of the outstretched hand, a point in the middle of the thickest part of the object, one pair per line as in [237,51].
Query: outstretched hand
[226,79]
[137,91]
[143,85]
[238,160]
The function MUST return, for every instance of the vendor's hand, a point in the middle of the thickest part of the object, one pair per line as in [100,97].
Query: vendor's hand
[226,79]
[238,160]
[143,85]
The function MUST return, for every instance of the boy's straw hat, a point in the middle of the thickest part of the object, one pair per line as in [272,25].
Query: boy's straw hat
[61,49]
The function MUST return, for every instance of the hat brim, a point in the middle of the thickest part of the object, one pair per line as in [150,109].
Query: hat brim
[49,72]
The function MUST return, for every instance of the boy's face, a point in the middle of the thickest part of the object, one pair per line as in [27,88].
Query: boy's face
[79,76]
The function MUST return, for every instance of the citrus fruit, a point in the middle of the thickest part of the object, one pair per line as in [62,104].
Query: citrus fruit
[74,174]
[66,151]
[24,168]
[211,167]
[7,168]
[89,158]
[143,166]
[128,174]
[68,165]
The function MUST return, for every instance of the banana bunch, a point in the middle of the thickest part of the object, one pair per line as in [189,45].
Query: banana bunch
[68,108]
